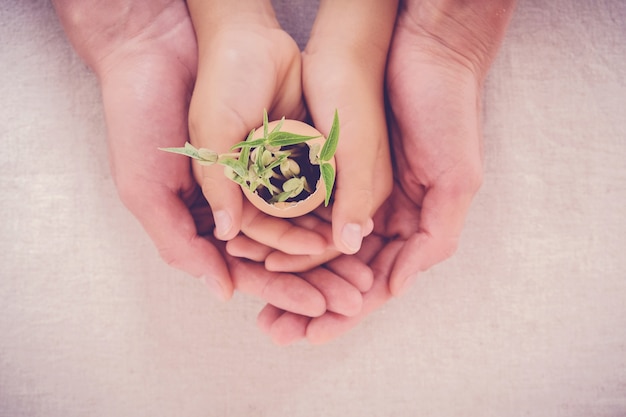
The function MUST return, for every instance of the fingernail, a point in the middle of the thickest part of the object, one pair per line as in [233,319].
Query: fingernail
[352,235]
[223,223]
[214,287]
[408,283]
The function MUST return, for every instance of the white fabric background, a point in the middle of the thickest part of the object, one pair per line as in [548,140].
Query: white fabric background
[527,319]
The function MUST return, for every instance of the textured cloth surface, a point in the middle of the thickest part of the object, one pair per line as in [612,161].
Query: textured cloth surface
[527,319]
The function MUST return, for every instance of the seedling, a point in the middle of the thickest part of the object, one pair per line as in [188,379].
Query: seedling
[279,166]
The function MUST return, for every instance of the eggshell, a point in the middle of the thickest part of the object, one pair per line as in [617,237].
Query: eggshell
[295,208]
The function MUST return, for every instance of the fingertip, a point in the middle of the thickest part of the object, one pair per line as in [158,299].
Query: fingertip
[351,221]
[408,265]
[267,316]
[225,199]
[225,225]
[350,236]
[400,286]
[218,288]
[289,328]
[324,329]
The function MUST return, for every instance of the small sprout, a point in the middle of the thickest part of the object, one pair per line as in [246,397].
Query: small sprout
[267,158]
[294,186]
[289,168]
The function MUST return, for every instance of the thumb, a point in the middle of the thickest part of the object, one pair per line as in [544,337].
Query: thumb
[442,219]
[364,179]
[214,125]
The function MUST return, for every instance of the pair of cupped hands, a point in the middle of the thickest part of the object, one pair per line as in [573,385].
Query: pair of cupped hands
[407,171]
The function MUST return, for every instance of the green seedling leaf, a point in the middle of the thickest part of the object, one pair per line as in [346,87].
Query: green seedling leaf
[248,144]
[203,156]
[278,126]
[267,158]
[259,158]
[189,151]
[289,168]
[245,151]
[330,146]
[294,185]
[208,155]
[286,139]
[235,165]
[279,198]
[232,175]
[328,174]
[277,162]
[265,123]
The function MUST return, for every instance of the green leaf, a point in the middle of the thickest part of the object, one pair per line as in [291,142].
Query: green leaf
[265,123]
[278,126]
[245,151]
[189,146]
[235,165]
[277,161]
[248,144]
[279,198]
[330,146]
[286,139]
[328,174]
[188,150]
[294,185]
[259,158]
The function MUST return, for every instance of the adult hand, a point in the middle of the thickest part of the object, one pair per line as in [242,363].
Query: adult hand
[146,68]
[435,74]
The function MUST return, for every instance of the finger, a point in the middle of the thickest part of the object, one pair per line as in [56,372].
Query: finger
[363,184]
[442,218]
[279,261]
[330,325]
[217,129]
[285,291]
[242,246]
[267,316]
[352,270]
[168,222]
[219,117]
[288,328]
[363,178]
[341,296]
[281,234]
[212,125]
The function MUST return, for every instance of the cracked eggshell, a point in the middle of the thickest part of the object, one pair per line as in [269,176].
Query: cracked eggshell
[295,208]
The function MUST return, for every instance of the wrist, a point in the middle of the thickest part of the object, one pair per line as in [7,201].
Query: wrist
[359,28]
[353,33]
[213,16]
[99,29]
[469,32]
